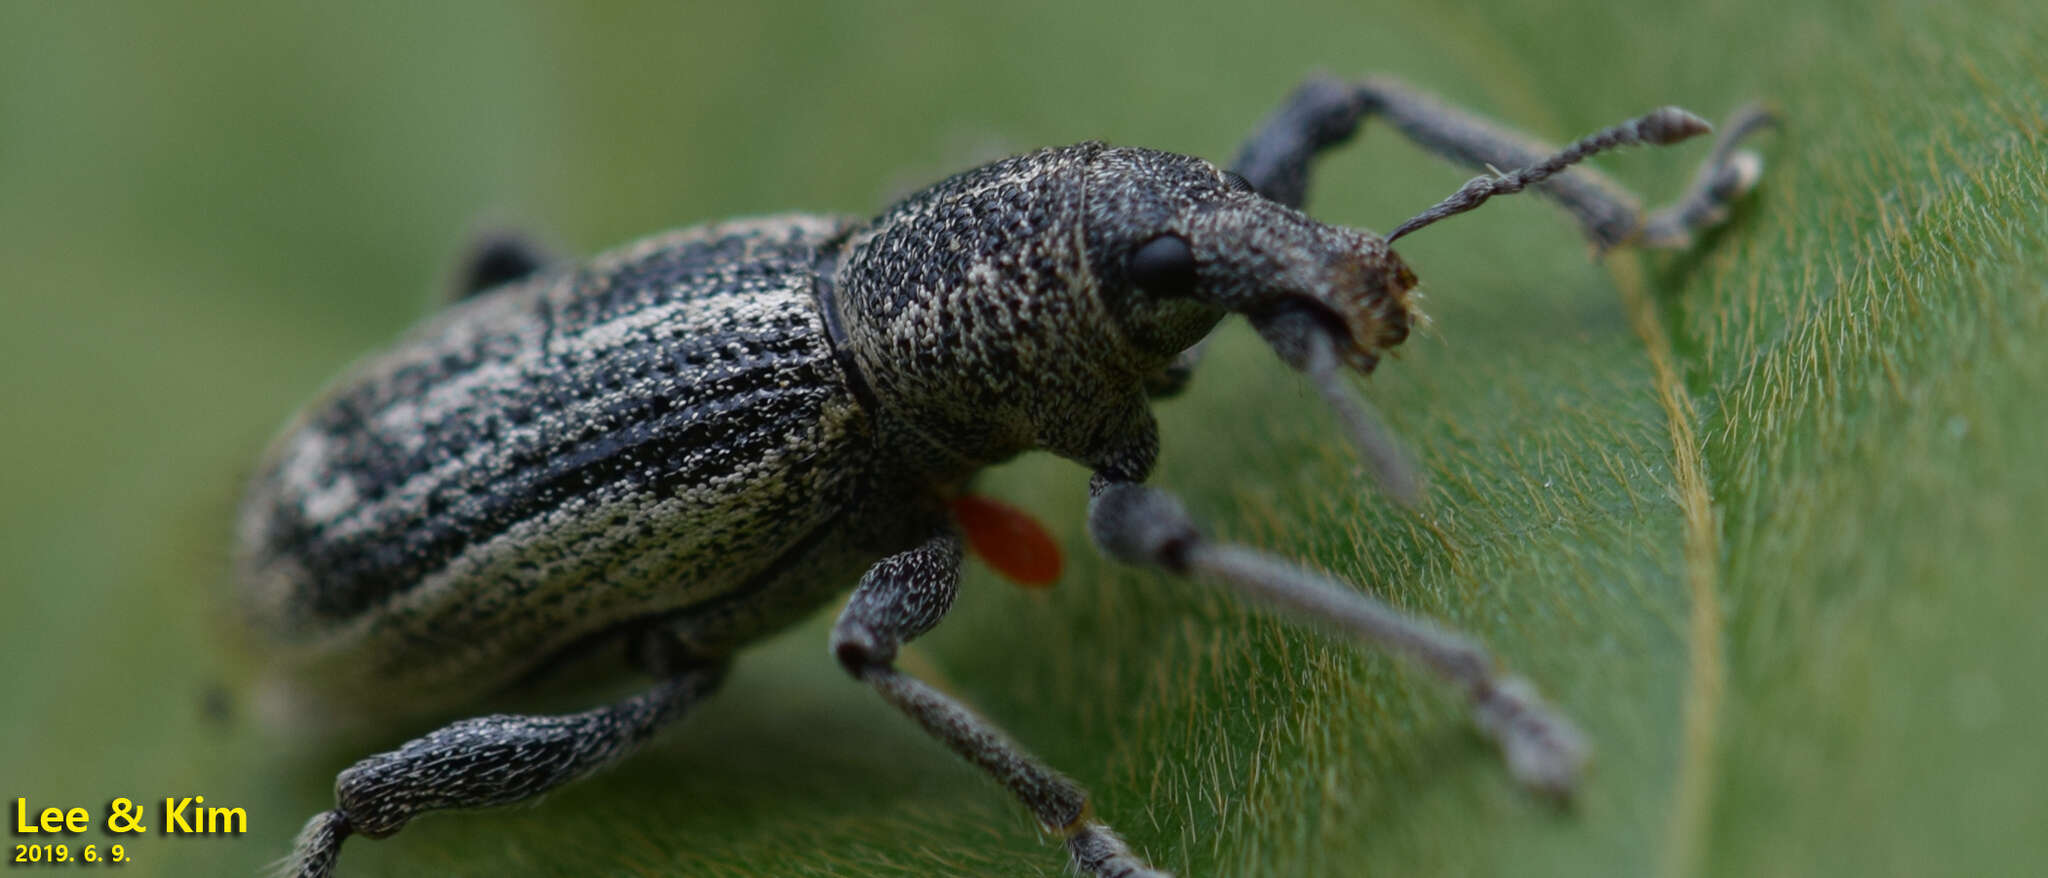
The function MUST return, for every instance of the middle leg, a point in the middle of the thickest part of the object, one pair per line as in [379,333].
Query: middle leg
[902,597]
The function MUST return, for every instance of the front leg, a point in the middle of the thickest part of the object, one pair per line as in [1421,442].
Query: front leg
[1323,113]
[902,597]
[1142,525]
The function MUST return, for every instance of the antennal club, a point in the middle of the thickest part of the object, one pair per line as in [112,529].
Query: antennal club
[1662,126]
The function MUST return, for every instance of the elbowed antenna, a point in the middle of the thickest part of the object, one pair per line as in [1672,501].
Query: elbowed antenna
[1388,462]
[1303,344]
[1661,126]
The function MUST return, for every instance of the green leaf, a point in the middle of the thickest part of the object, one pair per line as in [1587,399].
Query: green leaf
[1763,517]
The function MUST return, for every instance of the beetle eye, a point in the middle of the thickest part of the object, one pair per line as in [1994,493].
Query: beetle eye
[1163,266]
[1237,182]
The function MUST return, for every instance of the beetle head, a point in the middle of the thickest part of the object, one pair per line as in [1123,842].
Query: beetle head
[1166,229]
[1168,236]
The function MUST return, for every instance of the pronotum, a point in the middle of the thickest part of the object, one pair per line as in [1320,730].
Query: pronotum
[700,438]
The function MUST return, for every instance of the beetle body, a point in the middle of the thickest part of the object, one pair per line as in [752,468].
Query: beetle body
[668,429]
[698,439]
[713,430]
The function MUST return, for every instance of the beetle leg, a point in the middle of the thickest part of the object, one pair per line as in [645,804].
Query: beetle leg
[497,258]
[1138,524]
[486,761]
[1323,113]
[903,596]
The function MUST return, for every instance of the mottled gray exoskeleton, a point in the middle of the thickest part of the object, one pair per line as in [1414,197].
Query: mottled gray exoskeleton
[698,439]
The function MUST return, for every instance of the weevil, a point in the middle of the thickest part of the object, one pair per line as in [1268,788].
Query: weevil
[698,439]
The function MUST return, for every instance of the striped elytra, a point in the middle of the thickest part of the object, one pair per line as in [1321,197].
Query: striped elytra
[574,452]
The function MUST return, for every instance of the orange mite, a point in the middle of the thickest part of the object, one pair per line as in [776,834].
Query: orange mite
[1009,539]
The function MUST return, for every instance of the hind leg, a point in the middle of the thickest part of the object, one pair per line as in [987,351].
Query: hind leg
[495,259]
[487,761]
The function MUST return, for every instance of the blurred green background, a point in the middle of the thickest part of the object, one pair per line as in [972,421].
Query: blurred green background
[1766,517]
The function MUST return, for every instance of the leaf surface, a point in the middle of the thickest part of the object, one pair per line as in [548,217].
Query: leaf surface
[1764,516]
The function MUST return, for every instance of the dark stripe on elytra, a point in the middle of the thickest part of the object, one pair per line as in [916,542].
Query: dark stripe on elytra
[676,275]
[662,279]
[585,393]
[619,436]
[714,266]
[740,417]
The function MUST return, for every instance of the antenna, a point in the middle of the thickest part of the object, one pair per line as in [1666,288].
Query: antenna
[1660,126]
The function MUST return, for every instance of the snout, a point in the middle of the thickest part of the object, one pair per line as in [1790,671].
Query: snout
[1363,293]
